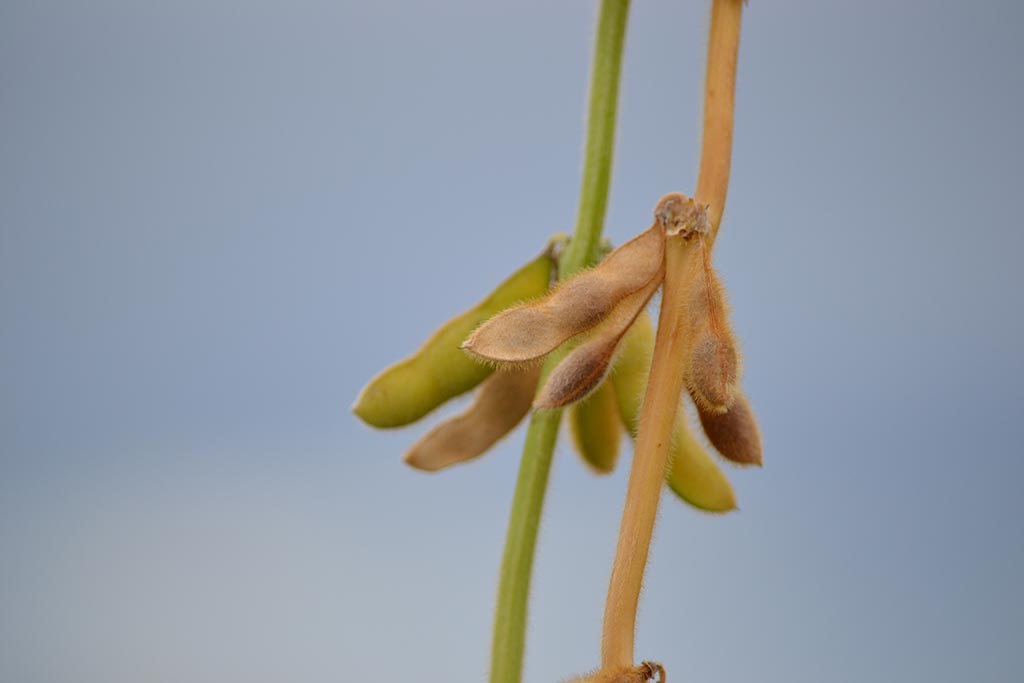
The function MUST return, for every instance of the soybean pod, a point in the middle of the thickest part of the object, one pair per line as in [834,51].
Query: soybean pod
[596,429]
[439,370]
[501,402]
[692,473]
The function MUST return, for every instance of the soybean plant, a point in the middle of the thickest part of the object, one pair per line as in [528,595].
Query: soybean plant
[570,330]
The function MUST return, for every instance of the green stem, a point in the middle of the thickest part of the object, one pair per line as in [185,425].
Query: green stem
[528,501]
[597,166]
[514,587]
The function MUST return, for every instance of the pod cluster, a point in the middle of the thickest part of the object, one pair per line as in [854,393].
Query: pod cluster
[599,318]
[598,323]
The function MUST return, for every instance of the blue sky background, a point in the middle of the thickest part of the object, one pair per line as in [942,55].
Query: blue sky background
[219,219]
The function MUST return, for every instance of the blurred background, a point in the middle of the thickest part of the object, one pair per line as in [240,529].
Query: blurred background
[219,219]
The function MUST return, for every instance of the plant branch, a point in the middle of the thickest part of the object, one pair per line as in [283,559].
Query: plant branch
[666,379]
[528,500]
[584,248]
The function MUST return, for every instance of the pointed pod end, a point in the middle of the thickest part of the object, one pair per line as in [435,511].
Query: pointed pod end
[545,402]
[561,391]
[601,471]
[358,411]
[746,458]
[548,399]
[414,459]
[504,339]
[368,411]
[734,434]
[718,509]
[471,347]
[729,503]
[469,342]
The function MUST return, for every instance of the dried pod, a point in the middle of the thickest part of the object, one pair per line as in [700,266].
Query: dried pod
[713,362]
[579,373]
[644,673]
[596,429]
[734,434]
[439,371]
[502,401]
[530,331]
[693,474]
[586,366]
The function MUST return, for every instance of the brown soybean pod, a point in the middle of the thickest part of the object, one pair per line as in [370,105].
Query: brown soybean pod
[713,359]
[502,401]
[585,367]
[734,434]
[528,332]
[439,371]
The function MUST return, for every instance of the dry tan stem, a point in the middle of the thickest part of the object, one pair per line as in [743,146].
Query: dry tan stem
[719,101]
[666,381]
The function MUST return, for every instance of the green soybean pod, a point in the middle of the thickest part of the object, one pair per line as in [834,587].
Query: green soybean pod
[439,370]
[596,429]
[692,474]
[629,373]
